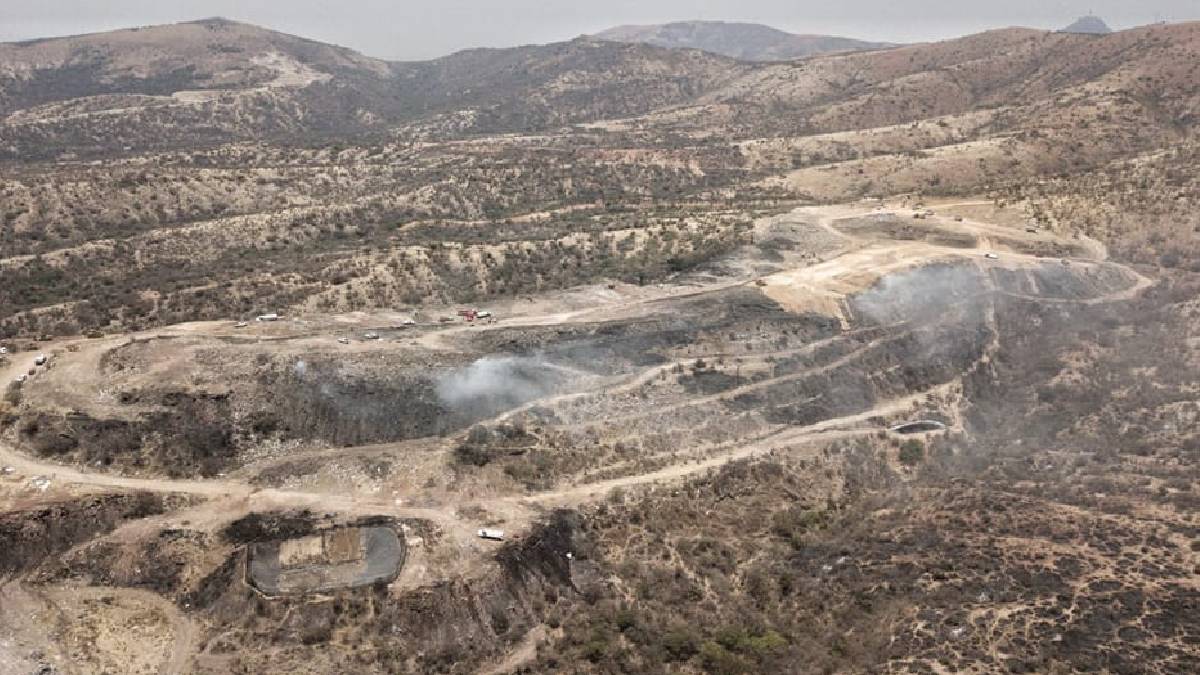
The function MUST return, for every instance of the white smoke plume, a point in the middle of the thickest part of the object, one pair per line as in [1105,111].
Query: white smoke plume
[499,381]
[919,294]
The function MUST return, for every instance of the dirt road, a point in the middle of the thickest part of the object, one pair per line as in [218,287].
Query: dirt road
[823,286]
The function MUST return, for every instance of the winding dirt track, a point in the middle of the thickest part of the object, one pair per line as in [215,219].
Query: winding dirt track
[861,262]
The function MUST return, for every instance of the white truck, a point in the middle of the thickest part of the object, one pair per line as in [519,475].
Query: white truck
[491,535]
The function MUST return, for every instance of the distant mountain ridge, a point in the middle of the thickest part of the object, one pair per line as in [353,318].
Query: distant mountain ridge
[216,81]
[745,41]
[1088,25]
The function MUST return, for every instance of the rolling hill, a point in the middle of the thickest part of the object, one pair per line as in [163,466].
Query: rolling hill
[275,166]
[745,41]
[599,357]
[216,80]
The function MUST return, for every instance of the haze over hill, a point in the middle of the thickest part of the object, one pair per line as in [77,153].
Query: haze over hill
[746,41]
[1088,25]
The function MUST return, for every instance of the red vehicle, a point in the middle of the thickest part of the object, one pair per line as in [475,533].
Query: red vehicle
[468,314]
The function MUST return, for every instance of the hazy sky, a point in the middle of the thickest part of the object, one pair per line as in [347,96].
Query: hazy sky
[413,29]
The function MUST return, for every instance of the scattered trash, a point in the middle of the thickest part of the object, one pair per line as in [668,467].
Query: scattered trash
[957,632]
[22,377]
[7,471]
[41,483]
[3,350]
[41,359]
[493,535]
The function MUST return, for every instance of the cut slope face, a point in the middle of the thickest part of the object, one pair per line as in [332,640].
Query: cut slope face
[747,41]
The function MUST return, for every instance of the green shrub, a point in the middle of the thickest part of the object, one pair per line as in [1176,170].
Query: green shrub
[912,452]
[720,661]
[680,643]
